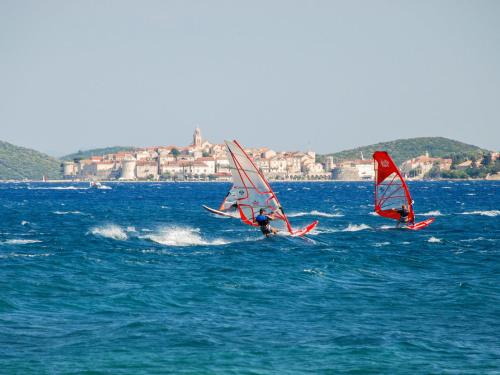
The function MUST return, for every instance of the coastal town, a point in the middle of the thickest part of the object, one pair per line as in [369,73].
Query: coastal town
[205,161]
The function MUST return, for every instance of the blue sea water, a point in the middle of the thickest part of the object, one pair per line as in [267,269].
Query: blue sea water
[138,279]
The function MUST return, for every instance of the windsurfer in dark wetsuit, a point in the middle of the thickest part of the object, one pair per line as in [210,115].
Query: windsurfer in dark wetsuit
[263,221]
[403,212]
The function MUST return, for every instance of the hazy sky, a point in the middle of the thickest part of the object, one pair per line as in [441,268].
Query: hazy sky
[323,75]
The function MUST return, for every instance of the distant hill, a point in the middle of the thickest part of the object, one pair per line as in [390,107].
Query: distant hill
[97,152]
[404,149]
[19,163]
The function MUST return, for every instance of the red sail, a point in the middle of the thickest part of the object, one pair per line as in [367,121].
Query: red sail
[391,191]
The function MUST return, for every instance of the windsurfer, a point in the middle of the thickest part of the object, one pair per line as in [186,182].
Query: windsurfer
[263,221]
[403,212]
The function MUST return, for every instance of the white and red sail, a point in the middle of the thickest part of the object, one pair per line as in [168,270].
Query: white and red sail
[251,191]
[391,191]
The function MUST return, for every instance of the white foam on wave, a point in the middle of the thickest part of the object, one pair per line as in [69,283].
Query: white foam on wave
[24,222]
[434,240]
[490,213]
[478,239]
[17,241]
[68,213]
[14,255]
[472,194]
[112,231]
[315,213]
[380,244]
[356,228]
[387,227]
[431,213]
[182,236]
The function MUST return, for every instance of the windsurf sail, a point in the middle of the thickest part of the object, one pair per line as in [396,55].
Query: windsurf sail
[251,191]
[391,191]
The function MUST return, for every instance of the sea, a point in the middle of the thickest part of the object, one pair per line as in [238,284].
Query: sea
[136,278]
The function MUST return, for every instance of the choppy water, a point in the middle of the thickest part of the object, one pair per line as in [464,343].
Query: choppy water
[139,279]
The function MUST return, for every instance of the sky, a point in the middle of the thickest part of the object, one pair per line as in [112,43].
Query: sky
[291,75]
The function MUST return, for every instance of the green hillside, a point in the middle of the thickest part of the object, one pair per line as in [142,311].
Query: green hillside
[404,149]
[97,152]
[20,163]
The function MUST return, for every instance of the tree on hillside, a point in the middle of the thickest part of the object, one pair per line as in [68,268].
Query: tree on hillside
[487,160]
[174,152]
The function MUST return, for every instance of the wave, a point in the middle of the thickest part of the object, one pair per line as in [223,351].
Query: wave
[13,255]
[17,241]
[356,228]
[68,213]
[490,213]
[380,244]
[24,222]
[315,213]
[434,240]
[431,213]
[387,226]
[112,231]
[182,236]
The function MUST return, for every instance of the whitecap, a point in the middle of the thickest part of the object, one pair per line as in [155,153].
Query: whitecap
[24,222]
[471,193]
[380,244]
[110,231]
[431,213]
[24,255]
[434,240]
[355,228]
[314,271]
[490,213]
[17,241]
[387,227]
[182,236]
[315,213]
[68,213]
